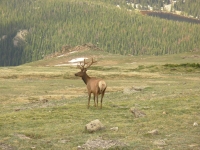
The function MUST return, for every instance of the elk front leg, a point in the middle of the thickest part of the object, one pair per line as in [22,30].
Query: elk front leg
[94,101]
[97,99]
[89,96]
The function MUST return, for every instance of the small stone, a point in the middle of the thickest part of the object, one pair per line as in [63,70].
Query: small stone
[193,145]
[195,124]
[114,128]
[153,132]
[159,143]
[79,148]
[137,113]
[33,147]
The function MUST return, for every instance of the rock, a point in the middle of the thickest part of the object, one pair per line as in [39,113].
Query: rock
[114,128]
[63,141]
[153,132]
[193,145]
[132,90]
[80,148]
[159,143]
[137,113]
[100,143]
[20,37]
[33,147]
[94,125]
[23,137]
[195,124]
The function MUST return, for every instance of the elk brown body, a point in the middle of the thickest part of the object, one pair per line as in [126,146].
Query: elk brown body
[94,85]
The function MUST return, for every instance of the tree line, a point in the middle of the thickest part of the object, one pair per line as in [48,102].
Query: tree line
[54,23]
[188,7]
[191,8]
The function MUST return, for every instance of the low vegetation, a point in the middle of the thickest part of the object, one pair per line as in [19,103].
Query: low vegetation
[193,65]
[45,107]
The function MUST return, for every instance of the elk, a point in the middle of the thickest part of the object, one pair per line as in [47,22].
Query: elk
[94,85]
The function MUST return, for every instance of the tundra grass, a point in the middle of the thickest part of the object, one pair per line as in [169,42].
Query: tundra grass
[41,108]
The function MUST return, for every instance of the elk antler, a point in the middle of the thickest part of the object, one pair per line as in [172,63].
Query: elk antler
[90,63]
[85,64]
[80,66]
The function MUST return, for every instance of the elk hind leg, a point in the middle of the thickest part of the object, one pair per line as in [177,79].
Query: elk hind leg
[102,95]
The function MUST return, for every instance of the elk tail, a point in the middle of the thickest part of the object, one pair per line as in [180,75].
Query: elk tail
[102,86]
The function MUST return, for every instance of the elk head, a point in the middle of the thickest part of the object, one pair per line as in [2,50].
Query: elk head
[84,67]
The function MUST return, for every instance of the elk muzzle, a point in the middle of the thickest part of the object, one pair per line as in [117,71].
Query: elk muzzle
[79,74]
[76,74]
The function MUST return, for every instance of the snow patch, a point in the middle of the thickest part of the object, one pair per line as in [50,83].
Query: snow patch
[60,65]
[72,62]
[77,60]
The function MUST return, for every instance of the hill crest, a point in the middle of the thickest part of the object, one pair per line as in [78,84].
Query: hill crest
[70,56]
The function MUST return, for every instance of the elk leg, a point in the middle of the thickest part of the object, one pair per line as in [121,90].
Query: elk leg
[94,101]
[102,98]
[89,96]
[97,99]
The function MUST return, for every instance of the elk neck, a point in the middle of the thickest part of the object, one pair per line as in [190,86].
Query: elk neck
[85,78]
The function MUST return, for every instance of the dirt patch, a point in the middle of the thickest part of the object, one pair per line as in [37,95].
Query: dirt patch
[133,90]
[4,146]
[100,143]
[23,137]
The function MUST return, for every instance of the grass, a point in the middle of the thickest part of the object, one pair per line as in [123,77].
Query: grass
[45,107]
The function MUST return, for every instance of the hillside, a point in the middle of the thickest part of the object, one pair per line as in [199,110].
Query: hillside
[52,24]
[68,54]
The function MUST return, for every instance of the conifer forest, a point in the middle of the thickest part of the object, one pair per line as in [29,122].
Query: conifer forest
[48,25]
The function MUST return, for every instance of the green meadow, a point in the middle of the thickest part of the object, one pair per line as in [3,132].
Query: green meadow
[43,106]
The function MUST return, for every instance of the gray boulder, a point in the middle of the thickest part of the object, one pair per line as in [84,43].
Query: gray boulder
[137,113]
[94,125]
